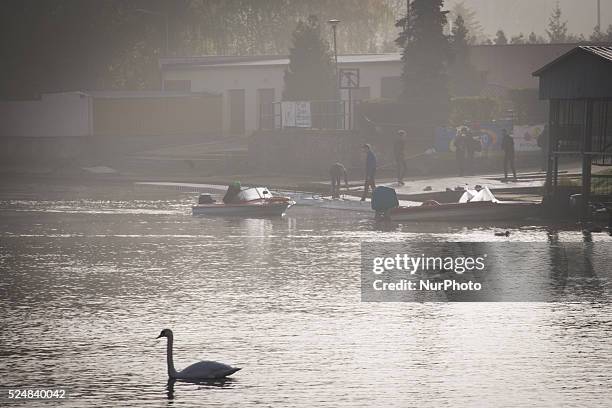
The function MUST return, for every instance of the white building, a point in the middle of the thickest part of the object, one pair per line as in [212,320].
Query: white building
[247,82]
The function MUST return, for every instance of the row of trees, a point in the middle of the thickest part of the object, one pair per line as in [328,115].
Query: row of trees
[55,45]
[556,33]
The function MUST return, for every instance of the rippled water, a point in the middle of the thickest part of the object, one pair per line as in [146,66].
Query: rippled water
[87,282]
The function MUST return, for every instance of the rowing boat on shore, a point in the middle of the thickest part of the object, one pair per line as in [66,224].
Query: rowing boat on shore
[470,211]
[473,206]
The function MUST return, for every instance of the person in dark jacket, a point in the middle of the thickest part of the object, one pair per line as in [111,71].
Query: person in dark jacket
[461,149]
[543,145]
[507,145]
[399,146]
[370,170]
[337,171]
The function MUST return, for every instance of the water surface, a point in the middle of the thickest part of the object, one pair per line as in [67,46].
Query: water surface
[90,275]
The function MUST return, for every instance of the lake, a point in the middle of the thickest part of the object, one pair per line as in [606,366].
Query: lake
[89,275]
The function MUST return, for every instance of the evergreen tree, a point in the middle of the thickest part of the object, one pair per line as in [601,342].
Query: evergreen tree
[425,57]
[557,29]
[500,38]
[464,78]
[535,39]
[600,36]
[311,74]
[475,33]
[518,39]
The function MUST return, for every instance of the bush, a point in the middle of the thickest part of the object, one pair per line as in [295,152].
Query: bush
[528,108]
[473,109]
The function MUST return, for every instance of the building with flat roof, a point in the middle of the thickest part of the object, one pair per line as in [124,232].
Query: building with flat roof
[247,82]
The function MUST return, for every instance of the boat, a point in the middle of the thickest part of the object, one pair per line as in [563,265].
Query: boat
[474,206]
[250,202]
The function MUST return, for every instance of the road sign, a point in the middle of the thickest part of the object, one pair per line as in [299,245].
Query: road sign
[349,78]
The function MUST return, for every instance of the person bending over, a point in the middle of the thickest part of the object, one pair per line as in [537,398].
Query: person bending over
[337,171]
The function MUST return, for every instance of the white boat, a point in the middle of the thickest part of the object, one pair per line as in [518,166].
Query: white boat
[251,202]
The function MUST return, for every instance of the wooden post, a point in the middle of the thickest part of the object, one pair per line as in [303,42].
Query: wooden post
[552,107]
[587,146]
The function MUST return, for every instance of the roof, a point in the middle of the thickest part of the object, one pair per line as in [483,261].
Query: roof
[145,94]
[603,52]
[264,60]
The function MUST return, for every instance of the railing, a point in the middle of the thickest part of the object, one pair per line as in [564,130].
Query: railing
[304,115]
[601,184]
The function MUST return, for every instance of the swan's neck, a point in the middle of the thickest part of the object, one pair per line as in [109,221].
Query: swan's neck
[169,360]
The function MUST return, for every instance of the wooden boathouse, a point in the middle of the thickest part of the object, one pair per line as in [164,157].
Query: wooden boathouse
[578,86]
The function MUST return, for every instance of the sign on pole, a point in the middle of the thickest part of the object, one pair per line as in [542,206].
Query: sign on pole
[349,78]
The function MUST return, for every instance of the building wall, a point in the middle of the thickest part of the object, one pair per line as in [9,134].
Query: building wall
[157,116]
[511,66]
[252,78]
[223,80]
[54,115]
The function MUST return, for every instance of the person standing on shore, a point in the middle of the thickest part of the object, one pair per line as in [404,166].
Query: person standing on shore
[507,144]
[337,171]
[460,149]
[543,145]
[399,146]
[370,170]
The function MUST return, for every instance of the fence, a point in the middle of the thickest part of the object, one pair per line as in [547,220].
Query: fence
[601,184]
[305,115]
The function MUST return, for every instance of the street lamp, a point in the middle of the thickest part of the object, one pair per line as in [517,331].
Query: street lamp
[165,16]
[599,14]
[334,23]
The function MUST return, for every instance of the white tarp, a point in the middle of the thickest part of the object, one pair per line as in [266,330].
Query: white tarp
[473,196]
[468,195]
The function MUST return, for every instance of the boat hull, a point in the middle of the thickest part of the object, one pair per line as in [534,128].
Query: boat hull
[465,212]
[261,208]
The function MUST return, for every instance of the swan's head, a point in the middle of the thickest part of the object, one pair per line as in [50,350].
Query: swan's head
[165,333]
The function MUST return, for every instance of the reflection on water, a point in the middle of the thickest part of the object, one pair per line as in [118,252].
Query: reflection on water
[86,284]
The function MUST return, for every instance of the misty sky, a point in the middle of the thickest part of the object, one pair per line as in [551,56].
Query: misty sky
[515,16]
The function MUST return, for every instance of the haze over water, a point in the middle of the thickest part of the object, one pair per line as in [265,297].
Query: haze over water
[88,281]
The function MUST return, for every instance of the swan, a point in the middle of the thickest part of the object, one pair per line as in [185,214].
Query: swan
[203,370]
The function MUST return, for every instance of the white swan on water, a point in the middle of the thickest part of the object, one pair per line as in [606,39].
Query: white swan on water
[203,370]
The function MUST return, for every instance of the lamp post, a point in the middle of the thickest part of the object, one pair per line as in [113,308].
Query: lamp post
[599,14]
[334,23]
[165,16]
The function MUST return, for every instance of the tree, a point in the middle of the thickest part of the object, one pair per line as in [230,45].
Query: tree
[518,39]
[500,38]
[600,36]
[311,74]
[425,57]
[475,33]
[557,29]
[464,78]
[535,39]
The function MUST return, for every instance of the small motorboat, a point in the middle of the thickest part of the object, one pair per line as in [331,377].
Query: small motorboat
[250,202]
[473,206]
